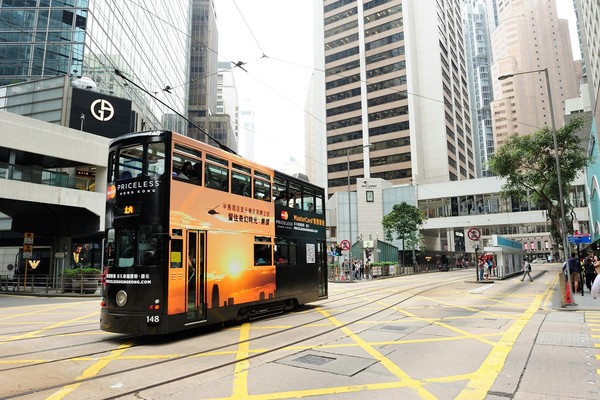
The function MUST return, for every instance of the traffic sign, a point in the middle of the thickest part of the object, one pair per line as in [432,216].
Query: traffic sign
[28,238]
[474,234]
[580,238]
[345,244]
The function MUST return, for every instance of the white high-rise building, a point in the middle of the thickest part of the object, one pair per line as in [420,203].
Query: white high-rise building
[396,92]
[479,61]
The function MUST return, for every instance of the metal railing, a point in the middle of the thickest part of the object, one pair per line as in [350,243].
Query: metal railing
[49,285]
[338,273]
[41,176]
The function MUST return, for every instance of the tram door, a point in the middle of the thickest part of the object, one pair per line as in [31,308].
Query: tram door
[196,302]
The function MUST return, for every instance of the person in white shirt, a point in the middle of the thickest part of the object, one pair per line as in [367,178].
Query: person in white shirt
[526,270]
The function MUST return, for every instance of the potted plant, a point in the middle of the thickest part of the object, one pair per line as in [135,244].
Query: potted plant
[83,280]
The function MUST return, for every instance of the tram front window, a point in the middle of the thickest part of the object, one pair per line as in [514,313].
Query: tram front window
[143,246]
[125,247]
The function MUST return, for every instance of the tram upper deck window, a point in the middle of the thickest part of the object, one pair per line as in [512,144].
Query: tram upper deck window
[308,199]
[240,182]
[262,186]
[295,196]
[187,165]
[156,159]
[280,192]
[131,161]
[319,204]
[216,176]
[111,166]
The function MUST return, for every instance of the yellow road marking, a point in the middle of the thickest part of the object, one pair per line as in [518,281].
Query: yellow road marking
[90,372]
[240,375]
[415,385]
[480,384]
[37,332]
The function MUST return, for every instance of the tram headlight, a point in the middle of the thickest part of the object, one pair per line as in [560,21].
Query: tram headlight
[121,298]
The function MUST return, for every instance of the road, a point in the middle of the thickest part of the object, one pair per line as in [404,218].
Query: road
[431,336]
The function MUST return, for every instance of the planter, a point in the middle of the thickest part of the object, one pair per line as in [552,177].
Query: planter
[85,285]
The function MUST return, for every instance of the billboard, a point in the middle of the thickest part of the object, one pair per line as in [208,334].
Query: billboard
[99,113]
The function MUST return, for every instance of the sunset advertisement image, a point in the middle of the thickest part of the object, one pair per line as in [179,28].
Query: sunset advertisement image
[232,277]
[231,223]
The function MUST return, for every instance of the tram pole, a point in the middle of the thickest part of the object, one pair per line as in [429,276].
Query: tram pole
[349,216]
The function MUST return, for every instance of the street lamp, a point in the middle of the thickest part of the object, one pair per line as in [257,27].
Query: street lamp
[366,146]
[563,225]
[349,216]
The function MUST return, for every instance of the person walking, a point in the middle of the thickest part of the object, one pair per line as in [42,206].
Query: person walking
[590,271]
[575,270]
[526,270]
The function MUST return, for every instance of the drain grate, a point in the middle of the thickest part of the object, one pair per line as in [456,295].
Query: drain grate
[314,360]
[394,328]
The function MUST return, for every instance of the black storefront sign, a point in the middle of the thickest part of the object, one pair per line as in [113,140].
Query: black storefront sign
[104,115]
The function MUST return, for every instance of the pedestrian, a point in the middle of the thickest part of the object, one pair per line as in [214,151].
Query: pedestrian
[526,270]
[575,270]
[481,267]
[589,270]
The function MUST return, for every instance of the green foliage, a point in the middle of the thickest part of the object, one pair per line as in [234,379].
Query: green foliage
[403,221]
[528,164]
[79,272]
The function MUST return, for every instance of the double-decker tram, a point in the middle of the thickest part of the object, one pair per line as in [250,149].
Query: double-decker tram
[198,235]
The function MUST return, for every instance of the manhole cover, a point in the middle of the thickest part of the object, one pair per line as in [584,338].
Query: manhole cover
[314,360]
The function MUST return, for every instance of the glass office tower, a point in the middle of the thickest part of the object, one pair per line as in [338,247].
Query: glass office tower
[147,41]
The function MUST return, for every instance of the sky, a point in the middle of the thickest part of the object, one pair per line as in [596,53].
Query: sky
[274,38]
[276,85]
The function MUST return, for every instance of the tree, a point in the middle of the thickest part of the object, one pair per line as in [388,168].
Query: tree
[402,222]
[528,164]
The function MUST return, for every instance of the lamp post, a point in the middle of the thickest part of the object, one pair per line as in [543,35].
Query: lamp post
[349,216]
[563,225]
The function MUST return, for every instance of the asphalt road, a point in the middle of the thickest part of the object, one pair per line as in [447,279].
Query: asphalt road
[432,336]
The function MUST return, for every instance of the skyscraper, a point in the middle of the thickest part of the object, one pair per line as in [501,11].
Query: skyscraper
[530,37]
[396,92]
[479,61]
[146,41]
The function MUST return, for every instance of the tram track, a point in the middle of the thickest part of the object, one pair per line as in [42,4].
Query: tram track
[409,290]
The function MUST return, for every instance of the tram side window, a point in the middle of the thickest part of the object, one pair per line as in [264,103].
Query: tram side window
[131,161]
[216,177]
[286,251]
[295,193]
[319,204]
[308,200]
[109,249]
[111,166]
[176,253]
[262,186]
[263,251]
[279,192]
[156,159]
[240,184]
[187,169]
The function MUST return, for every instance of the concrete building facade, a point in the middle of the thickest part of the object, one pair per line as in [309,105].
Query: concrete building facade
[396,109]
[530,37]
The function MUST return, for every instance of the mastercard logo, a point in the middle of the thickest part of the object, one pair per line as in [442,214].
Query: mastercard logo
[111,192]
[284,215]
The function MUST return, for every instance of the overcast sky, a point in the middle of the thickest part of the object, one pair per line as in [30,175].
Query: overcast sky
[277,83]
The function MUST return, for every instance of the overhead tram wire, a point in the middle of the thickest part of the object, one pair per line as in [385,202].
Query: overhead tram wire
[235,64]
[221,145]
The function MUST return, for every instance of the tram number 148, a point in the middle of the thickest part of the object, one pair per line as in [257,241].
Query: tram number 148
[152,319]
